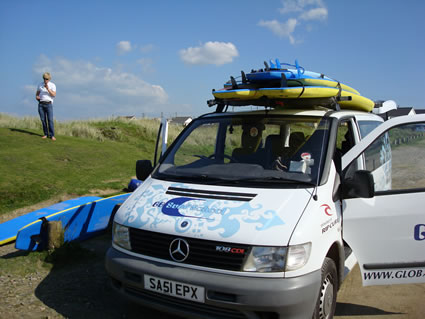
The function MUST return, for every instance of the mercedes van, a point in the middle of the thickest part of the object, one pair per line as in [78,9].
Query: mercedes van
[261,214]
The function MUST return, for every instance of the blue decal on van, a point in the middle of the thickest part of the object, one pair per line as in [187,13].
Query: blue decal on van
[419,232]
[230,223]
[171,208]
[153,209]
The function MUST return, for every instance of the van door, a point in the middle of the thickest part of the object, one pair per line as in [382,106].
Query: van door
[387,231]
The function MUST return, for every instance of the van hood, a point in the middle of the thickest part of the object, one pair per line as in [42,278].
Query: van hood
[239,215]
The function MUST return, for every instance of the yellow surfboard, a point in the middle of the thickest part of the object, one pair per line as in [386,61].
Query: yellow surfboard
[321,82]
[354,102]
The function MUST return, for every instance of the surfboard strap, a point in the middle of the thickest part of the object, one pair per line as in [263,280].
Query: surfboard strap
[244,79]
[234,84]
[301,91]
[283,81]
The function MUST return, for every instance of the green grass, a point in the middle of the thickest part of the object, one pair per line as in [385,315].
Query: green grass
[33,170]
[88,157]
[25,263]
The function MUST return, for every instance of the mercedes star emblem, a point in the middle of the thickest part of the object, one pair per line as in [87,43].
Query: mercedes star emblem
[179,250]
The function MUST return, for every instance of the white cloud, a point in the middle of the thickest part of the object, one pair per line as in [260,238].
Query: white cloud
[123,47]
[298,10]
[282,30]
[30,88]
[147,48]
[315,14]
[217,53]
[87,90]
[147,65]
[289,6]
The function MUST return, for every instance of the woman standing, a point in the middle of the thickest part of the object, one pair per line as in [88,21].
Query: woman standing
[46,92]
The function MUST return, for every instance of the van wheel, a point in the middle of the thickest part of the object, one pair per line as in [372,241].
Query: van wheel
[111,219]
[326,303]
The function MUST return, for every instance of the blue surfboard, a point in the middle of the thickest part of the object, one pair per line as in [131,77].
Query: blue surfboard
[79,223]
[274,73]
[10,228]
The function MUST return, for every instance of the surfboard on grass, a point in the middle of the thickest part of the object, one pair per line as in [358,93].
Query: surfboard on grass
[79,223]
[10,228]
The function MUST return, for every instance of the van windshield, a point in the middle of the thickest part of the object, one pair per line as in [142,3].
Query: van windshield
[247,150]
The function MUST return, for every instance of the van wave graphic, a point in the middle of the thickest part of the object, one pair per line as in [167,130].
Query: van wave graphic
[154,210]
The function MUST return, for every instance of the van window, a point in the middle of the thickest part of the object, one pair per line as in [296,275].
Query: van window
[367,126]
[394,157]
[345,137]
[260,150]
[344,142]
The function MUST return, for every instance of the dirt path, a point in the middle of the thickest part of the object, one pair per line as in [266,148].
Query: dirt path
[395,302]
[81,290]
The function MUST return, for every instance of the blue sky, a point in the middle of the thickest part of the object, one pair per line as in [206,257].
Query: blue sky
[110,58]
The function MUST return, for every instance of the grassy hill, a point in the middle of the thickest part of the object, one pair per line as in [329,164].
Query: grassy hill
[96,156]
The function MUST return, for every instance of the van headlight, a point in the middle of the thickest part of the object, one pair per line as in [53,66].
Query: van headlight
[121,236]
[266,259]
[277,259]
[297,256]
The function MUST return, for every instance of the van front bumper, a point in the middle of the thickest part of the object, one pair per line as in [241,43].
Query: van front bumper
[226,296]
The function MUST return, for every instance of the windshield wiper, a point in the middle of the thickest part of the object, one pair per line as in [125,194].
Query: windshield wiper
[203,179]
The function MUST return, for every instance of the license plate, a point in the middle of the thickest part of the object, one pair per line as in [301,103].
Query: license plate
[175,288]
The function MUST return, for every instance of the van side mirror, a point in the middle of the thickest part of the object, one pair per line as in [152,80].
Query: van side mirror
[361,185]
[143,169]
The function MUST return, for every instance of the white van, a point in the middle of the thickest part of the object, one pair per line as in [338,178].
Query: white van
[257,214]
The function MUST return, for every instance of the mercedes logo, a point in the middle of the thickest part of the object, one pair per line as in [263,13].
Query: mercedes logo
[179,250]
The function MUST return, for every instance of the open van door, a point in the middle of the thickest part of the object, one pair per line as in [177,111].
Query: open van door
[162,138]
[144,167]
[387,231]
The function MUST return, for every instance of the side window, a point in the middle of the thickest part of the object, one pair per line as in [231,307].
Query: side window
[397,159]
[344,142]
[366,127]
[345,137]
[378,161]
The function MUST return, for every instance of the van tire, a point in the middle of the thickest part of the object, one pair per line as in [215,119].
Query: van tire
[111,219]
[326,302]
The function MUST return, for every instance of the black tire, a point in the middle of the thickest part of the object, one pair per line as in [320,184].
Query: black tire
[111,219]
[326,302]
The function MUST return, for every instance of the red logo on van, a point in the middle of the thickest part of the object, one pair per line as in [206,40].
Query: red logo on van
[232,250]
[327,209]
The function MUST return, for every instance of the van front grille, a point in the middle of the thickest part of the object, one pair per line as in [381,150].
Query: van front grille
[206,253]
